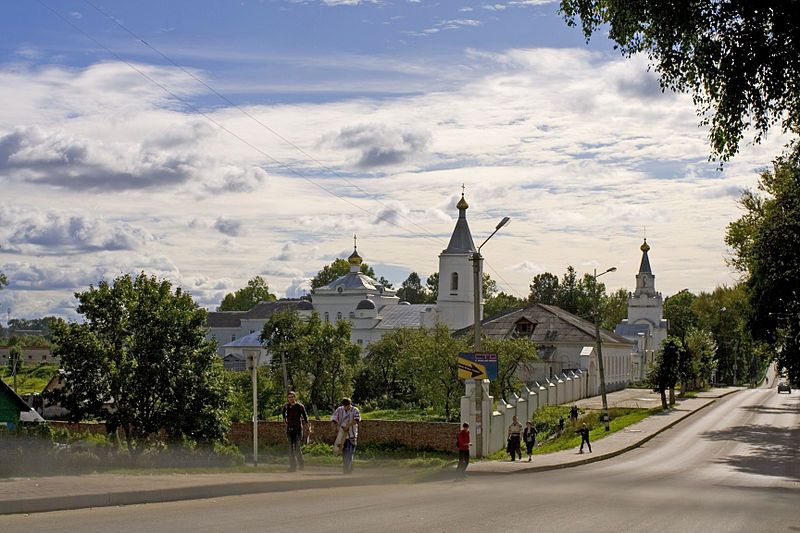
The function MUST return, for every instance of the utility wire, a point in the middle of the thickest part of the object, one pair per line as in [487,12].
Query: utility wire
[252,117]
[277,162]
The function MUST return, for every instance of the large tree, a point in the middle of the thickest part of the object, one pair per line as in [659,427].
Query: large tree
[388,373]
[739,59]
[764,243]
[544,289]
[679,314]
[432,284]
[412,291]
[139,362]
[257,290]
[511,354]
[320,359]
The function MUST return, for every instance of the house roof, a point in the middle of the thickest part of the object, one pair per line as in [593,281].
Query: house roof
[253,340]
[262,310]
[630,330]
[553,325]
[352,281]
[461,240]
[13,396]
[400,316]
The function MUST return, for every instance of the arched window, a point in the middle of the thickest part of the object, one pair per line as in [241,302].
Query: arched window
[454,281]
[339,315]
[327,317]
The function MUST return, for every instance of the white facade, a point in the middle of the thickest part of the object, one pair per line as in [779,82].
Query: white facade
[645,324]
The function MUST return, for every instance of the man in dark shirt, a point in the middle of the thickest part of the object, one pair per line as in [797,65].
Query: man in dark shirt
[294,416]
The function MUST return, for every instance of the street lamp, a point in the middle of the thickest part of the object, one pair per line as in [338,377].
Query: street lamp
[600,345]
[477,282]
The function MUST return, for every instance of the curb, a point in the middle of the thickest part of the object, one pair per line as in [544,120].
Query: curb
[217,490]
[608,455]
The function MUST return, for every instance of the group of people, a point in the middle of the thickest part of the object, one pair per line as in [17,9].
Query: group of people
[345,421]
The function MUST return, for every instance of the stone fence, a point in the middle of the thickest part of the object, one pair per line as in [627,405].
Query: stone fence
[437,436]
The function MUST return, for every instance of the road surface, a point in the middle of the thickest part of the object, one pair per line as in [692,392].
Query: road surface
[732,467]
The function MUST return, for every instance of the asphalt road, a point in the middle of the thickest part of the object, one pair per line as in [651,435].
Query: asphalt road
[732,467]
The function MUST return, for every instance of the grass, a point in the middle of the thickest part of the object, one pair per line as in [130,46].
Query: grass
[30,378]
[568,439]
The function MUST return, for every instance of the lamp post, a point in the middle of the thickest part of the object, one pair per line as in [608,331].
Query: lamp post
[477,283]
[253,357]
[600,345]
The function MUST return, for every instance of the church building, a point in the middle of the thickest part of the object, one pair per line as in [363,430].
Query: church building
[645,324]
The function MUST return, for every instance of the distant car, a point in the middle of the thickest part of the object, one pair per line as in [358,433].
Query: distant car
[783,386]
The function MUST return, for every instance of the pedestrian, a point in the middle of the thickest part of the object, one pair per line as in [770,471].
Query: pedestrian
[573,414]
[529,436]
[463,443]
[583,431]
[514,436]
[294,417]
[345,419]
[560,424]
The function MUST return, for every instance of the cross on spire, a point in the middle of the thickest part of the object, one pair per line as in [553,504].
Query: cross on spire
[355,242]
[463,188]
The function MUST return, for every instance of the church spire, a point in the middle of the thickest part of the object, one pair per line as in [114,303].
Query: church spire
[644,267]
[461,240]
[355,259]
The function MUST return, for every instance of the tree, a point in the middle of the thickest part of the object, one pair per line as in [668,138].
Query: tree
[388,373]
[257,290]
[739,60]
[764,251]
[437,370]
[663,375]
[412,291]
[569,297]
[320,359]
[511,354]
[3,280]
[14,362]
[140,362]
[544,289]
[432,283]
[614,308]
[678,312]
[338,268]
[698,368]
[501,303]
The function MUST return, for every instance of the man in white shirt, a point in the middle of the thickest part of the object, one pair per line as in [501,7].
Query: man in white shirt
[346,419]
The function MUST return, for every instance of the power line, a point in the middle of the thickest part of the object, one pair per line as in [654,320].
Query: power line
[250,116]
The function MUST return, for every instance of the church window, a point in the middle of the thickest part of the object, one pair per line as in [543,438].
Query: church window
[327,317]
[233,338]
[454,281]
[352,314]
[339,315]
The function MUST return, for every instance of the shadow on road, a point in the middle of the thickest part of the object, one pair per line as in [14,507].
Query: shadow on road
[774,450]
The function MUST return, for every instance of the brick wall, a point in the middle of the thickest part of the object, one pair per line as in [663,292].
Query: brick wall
[419,435]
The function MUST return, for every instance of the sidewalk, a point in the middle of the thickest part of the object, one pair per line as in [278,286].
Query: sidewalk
[30,495]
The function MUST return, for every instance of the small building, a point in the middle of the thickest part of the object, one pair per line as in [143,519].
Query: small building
[228,326]
[12,407]
[566,343]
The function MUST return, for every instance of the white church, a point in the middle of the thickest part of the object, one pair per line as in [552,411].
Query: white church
[371,309]
[645,324]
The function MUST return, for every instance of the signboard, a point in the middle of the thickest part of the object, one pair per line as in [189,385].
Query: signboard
[477,365]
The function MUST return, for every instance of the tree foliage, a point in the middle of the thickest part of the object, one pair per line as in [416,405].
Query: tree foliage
[664,373]
[320,359]
[502,303]
[763,240]
[388,375]
[511,354]
[432,284]
[257,290]
[679,314]
[140,362]
[412,290]
[740,60]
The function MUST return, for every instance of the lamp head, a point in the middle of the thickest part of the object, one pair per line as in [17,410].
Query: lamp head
[502,223]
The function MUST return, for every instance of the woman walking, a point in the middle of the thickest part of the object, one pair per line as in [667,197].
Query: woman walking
[529,436]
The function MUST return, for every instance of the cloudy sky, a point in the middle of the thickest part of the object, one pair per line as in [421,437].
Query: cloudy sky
[208,141]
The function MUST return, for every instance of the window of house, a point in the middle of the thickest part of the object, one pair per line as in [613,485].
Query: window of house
[360,342]
[523,328]
[252,331]
[233,338]
[352,314]
[327,317]
[339,315]
[454,281]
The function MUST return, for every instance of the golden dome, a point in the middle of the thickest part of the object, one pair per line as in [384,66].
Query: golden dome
[645,247]
[462,204]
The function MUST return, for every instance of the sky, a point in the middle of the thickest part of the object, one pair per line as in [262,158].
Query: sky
[210,141]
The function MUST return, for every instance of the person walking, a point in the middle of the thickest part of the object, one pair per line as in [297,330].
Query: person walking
[514,436]
[294,417]
[529,436]
[583,431]
[345,419]
[573,414]
[463,443]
